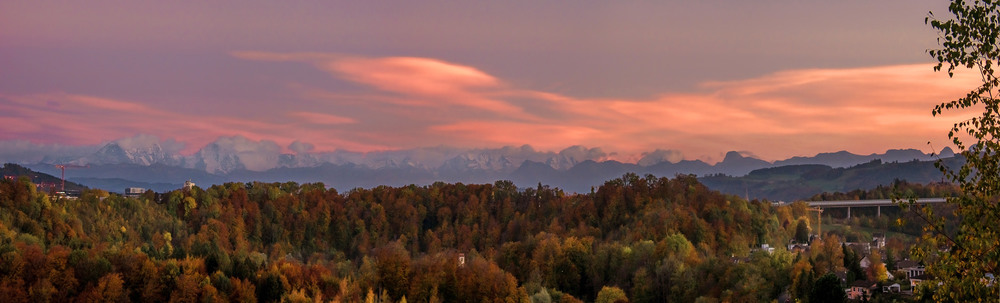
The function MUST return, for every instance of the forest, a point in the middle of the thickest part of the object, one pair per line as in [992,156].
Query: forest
[632,239]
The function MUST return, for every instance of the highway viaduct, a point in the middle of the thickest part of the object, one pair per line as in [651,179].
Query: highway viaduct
[866,203]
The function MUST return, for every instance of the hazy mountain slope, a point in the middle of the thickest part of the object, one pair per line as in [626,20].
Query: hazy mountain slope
[15,171]
[789,183]
[146,162]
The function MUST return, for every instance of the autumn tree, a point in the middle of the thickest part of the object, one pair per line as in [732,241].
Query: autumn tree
[108,289]
[961,258]
[656,238]
[393,269]
[611,294]
[876,270]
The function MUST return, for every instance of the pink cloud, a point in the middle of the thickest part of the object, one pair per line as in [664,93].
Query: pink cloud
[79,119]
[321,119]
[413,81]
[787,113]
[409,75]
[416,102]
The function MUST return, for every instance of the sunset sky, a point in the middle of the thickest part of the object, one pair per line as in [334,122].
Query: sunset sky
[773,78]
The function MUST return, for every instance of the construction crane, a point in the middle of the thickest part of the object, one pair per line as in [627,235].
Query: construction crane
[62,168]
[819,220]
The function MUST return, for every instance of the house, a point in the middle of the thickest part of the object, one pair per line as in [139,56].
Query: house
[188,185]
[917,280]
[911,268]
[863,248]
[860,289]
[798,248]
[765,247]
[894,288]
[134,191]
[865,262]
[878,242]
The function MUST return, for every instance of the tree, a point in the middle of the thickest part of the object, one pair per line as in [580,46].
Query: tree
[271,287]
[802,232]
[827,289]
[392,263]
[802,279]
[610,295]
[243,291]
[108,289]
[877,271]
[960,258]
[852,261]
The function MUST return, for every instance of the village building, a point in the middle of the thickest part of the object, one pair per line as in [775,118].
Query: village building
[861,290]
[134,191]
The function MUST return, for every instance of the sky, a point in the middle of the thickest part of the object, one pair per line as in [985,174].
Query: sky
[774,79]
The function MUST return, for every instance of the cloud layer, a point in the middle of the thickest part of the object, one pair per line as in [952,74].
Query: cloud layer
[385,103]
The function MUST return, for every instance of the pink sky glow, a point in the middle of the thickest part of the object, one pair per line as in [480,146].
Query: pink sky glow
[776,116]
[697,79]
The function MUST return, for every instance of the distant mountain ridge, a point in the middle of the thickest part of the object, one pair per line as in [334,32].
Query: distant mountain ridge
[236,153]
[145,161]
[790,182]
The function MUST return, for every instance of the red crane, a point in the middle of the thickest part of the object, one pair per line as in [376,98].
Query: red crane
[62,168]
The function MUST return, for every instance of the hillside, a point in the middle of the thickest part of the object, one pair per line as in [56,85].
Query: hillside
[46,181]
[799,182]
[653,238]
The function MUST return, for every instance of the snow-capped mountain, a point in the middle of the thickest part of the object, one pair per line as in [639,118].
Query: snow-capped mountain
[474,161]
[228,154]
[138,150]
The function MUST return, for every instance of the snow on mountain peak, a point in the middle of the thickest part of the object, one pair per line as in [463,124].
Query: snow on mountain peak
[140,150]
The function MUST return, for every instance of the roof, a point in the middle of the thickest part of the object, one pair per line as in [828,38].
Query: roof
[863,283]
[922,277]
[907,263]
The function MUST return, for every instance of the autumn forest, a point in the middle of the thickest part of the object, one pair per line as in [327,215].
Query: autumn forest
[632,239]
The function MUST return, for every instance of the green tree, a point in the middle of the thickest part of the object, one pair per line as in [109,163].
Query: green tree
[852,261]
[960,258]
[270,288]
[802,232]
[827,289]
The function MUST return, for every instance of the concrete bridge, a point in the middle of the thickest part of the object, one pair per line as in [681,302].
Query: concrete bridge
[866,203]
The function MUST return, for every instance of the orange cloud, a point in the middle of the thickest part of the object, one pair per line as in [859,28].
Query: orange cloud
[414,81]
[78,119]
[321,119]
[409,75]
[778,115]
[416,102]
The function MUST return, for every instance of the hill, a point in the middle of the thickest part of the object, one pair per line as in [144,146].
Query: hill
[653,238]
[799,182]
[43,180]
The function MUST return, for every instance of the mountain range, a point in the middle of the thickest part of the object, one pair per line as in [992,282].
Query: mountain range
[147,162]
